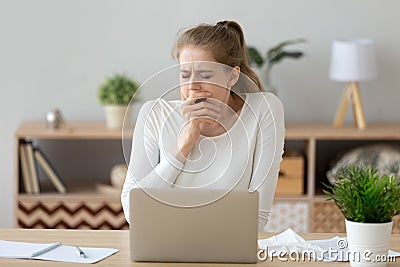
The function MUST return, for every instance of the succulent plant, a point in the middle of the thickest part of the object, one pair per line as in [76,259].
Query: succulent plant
[117,90]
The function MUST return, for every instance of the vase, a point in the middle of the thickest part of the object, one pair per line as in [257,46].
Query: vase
[114,116]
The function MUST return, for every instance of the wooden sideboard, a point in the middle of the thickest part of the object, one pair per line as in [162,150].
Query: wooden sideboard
[85,207]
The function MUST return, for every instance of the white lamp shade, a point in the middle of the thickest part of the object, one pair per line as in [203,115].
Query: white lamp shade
[353,60]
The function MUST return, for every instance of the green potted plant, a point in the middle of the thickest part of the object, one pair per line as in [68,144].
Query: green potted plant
[115,94]
[263,64]
[368,201]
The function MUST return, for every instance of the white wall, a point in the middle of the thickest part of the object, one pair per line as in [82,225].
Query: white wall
[55,53]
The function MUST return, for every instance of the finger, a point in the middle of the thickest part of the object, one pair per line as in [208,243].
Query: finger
[204,105]
[195,121]
[189,110]
[206,120]
[200,94]
[205,113]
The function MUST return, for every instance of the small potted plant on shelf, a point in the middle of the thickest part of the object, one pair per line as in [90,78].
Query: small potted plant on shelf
[262,65]
[115,93]
[368,201]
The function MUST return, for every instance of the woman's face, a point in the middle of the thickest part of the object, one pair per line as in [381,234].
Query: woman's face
[202,76]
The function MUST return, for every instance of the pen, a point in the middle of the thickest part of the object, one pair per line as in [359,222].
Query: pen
[45,250]
[198,100]
[81,253]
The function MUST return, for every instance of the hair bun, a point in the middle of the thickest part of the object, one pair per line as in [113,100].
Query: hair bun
[223,23]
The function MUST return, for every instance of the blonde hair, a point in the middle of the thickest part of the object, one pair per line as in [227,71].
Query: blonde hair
[225,41]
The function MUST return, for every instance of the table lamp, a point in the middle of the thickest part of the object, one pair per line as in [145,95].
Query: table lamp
[352,61]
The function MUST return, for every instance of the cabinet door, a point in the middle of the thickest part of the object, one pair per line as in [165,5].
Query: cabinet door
[71,214]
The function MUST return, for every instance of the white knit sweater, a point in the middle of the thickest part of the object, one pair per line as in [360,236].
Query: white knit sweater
[247,156]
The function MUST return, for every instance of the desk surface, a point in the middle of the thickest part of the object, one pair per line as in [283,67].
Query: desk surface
[120,239]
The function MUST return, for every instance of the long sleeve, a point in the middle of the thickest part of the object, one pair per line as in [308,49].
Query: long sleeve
[147,168]
[268,156]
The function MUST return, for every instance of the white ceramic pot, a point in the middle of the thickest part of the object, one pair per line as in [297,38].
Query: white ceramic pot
[114,116]
[368,243]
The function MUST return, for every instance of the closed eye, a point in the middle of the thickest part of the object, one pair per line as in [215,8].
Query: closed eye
[185,74]
[206,76]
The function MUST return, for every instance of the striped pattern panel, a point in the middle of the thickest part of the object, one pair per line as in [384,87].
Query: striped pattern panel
[327,218]
[71,215]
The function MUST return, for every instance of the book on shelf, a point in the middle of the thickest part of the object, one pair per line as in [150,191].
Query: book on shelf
[25,169]
[32,168]
[29,173]
[49,171]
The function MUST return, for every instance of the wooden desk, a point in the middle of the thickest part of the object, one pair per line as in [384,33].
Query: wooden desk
[120,239]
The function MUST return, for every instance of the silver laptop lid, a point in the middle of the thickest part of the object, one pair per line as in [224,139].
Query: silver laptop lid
[221,231]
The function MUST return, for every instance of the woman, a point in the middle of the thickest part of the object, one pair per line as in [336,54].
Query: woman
[224,132]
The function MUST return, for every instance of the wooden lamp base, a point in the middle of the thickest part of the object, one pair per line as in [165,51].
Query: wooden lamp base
[351,92]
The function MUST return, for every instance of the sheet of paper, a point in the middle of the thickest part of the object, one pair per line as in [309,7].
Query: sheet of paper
[10,249]
[70,254]
[286,241]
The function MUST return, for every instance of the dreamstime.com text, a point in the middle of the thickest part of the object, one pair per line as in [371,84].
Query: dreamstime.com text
[327,255]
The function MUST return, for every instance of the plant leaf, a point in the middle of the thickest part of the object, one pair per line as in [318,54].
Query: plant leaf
[118,89]
[278,57]
[362,195]
[255,57]
[276,49]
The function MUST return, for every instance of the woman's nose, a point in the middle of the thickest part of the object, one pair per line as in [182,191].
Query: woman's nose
[194,85]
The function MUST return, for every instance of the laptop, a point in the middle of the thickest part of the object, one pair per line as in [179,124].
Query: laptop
[225,230]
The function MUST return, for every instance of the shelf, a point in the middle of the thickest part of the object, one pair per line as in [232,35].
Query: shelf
[73,130]
[320,198]
[81,196]
[76,192]
[292,198]
[296,131]
[95,196]
[82,154]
